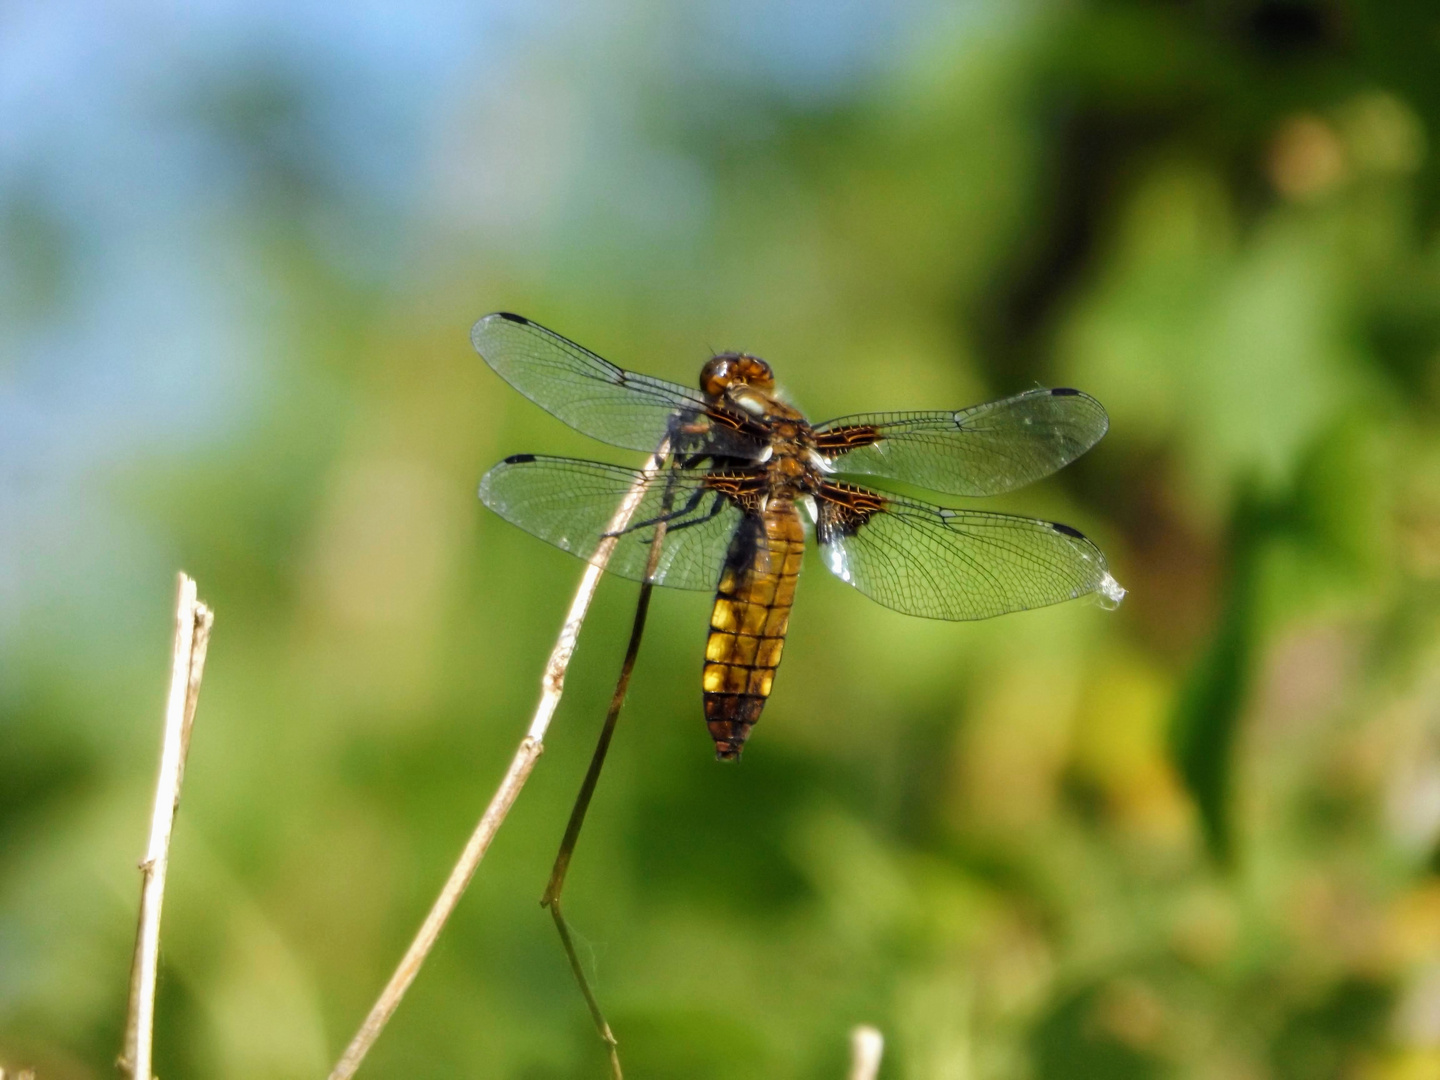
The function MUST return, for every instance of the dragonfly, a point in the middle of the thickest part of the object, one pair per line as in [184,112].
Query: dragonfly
[741,467]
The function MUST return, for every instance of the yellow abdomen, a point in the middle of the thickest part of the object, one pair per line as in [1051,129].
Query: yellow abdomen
[748,622]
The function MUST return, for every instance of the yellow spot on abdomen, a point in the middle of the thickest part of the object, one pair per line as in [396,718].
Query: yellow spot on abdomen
[723,617]
[785,591]
[768,655]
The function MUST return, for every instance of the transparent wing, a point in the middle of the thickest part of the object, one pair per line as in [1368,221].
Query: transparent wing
[601,400]
[984,450]
[571,504]
[953,564]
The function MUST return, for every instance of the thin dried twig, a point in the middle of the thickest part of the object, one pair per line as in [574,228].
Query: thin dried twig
[192,636]
[866,1047]
[556,885]
[552,686]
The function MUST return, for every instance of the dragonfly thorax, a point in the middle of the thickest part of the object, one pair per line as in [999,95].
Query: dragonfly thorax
[788,454]
[790,463]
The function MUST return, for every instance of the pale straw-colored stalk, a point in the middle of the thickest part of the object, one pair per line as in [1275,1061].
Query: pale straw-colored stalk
[552,685]
[192,636]
[866,1047]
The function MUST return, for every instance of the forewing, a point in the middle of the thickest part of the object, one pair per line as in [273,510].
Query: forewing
[602,400]
[572,504]
[953,564]
[983,450]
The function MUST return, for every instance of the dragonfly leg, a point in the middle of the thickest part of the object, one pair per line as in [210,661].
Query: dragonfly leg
[668,516]
[709,515]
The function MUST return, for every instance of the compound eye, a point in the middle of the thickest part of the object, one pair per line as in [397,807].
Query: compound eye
[755,372]
[731,369]
[716,375]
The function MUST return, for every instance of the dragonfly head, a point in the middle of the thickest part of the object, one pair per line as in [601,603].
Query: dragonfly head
[735,369]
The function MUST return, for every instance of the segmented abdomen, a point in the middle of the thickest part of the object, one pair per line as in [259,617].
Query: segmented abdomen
[748,622]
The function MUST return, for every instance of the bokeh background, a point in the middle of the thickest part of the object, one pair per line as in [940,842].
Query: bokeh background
[240,249]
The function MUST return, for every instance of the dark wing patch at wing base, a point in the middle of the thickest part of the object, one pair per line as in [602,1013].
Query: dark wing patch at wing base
[940,563]
[984,450]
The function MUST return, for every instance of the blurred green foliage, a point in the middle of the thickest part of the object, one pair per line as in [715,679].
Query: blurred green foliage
[1196,837]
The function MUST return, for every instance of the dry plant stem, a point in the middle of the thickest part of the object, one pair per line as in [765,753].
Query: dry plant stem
[597,760]
[551,899]
[866,1047]
[617,699]
[444,906]
[552,685]
[553,682]
[192,636]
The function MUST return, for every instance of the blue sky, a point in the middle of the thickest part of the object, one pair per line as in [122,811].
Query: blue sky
[136,140]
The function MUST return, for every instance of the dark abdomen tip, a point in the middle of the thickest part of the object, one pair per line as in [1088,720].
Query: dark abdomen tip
[730,718]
